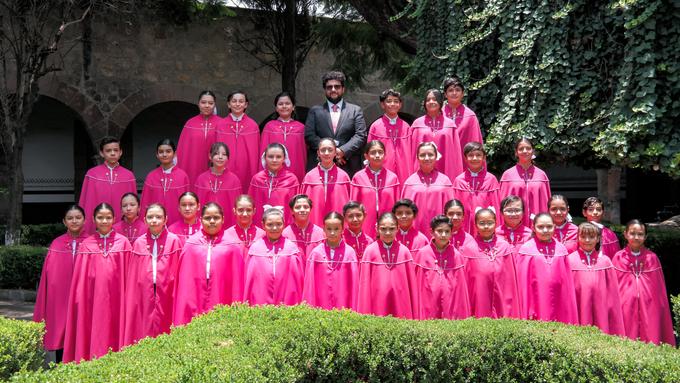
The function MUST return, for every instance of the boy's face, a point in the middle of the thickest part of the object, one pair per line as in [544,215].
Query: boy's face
[391,106]
[475,160]
[111,153]
[593,213]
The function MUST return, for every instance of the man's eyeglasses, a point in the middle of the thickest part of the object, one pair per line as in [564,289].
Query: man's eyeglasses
[331,87]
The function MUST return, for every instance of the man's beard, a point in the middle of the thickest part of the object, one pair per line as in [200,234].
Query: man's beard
[334,100]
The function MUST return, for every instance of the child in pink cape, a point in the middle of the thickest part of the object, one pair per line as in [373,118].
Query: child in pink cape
[166,183]
[302,232]
[242,135]
[374,185]
[565,231]
[326,184]
[332,271]
[440,272]
[646,312]
[490,270]
[150,279]
[288,132]
[475,187]
[130,225]
[197,136]
[244,231]
[274,269]
[218,184]
[455,211]
[210,270]
[190,223]
[107,182]
[512,230]
[55,282]
[526,181]
[466,121]
[435,127]
[354,214]
[387,277]
[544,278]
[406,211]
[395,134]
[275,185]
[595,283]
[428,188]
[593,209]
[95,314]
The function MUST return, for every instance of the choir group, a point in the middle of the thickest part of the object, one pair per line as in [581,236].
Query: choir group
[423,231]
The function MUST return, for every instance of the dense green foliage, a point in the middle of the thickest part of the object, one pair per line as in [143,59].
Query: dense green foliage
[38,235]
[20,266]
[595,83]
[675,303]
[286,344]
[20,346]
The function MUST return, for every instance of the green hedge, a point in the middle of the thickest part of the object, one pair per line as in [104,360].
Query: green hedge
[37,235]
[20,346]
[675,304]
[20,266]
[292,344]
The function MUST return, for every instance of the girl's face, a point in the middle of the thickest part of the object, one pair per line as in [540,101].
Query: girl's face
[284,107]
[155,220]
[244,212]
[524,152]
[238,104]
[355,219]
[475,160]
[188,208]
[587,241]
[165,155]
[212,220]
[206,105]
[130,208]
[558,211]
[332,227]
[391,106]
[486,225]
[387,229]
[74,221]
[273,226]
[274,159]
[219,158]
[427,158]
[513,214]
[635,235]
[594,213]
[432,106]
[301,210]
[103,221]
[375,157]
[456,214]
[326,153]
[544,228]
[441,235]
[405,217]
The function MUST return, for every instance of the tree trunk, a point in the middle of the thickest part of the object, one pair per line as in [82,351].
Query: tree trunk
[608,189]
[15,189]
[288,69]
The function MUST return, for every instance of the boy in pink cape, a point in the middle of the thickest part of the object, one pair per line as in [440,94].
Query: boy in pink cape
[95,314]
[107,182]
[387,276]
[466,121]
[332,272]
[596,284]
[244,231]
[565,232]
[242,135]
[395,134]
[490,270]
[440,274]
[190,223]
[303,233]
[197,136]
[374,185]
[406,211]
[55,282]
[210,270]
[130,224]
[274,268]
[150,279]
[593,209]
[288,132]
[218,184]
[512,230]
[646,311]
[544,278]
[354,214]
[275,185]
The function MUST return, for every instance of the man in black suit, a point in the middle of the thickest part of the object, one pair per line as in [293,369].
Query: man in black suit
[339,120]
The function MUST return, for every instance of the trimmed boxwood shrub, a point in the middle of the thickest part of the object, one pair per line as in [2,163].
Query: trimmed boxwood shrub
[20,266]
[675,303]
[291,344]
[20,346]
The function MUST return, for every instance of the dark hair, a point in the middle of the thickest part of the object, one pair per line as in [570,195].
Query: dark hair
[188,194]
[108,140]
[216,146]
[74,207]
[539,215]
[437,95]
[207,93]
[523,139]
[276,145]
[284,94]
[373,143]
[334,215]
[440,219]
[212,204]
[130,194]
[296,197]
[244,197]
[636,221]
[386,215]
[390,92]
[407,203]
[333,75]
[272,211]
[485,210]
[103,206]
[332,141]
[472,146]
[165,213]
[166,141]
[427,143]
[453,203]
[510,199]
[592,201]
[232,94]
[558,197]
[353,205]
[453,81]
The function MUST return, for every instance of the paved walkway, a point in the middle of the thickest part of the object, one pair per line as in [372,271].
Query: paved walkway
[16,310]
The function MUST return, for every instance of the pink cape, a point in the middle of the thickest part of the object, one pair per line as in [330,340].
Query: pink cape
[515,237]
[545,282]
[413,239]
[446,138]
[195,293]
[387,283]
[429,193]
[95,314]
[467,124]
[597,292]
[442,285]
[290,134]
[532,185]
[183,230]
[222,189]
[243,140]
[377,193]
[133,230]
[165,189]
[104,185]
[609,242]
[327,196]
[274,190]
[646,312]
[359,242]
[148,306]
[274,273]
[245,237]
[462,239]
[306,240]
[568,236]
[397,141]
[193,148]
[480,190]
[55,283]
[331,281]
[492,280]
